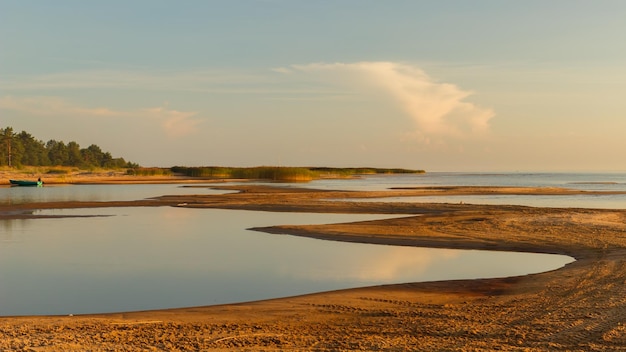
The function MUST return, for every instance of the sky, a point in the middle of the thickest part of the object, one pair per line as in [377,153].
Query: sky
[484,85]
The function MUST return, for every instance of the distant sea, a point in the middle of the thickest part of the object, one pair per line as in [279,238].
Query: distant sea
[582,181]
[607,182]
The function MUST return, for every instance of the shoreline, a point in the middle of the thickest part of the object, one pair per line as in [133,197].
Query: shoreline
[577,307]
[101,178]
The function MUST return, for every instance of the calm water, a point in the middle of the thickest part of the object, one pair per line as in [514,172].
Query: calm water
[148,258]
[583,181]
[61,193]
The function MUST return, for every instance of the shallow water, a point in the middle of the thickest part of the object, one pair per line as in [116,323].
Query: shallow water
[582,181]
[149,258]
[102,193]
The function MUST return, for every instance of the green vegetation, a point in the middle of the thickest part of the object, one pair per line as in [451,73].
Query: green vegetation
[351,171]
[277,173]
[149,171]
[59,171]
[20,149]
[294,174]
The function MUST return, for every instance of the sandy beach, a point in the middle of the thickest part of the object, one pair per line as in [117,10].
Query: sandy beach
[580,307]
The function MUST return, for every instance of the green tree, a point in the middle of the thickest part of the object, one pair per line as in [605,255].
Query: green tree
[57,152]
[33,151]
[74,156]
[24,149]
[17,151]
[6,151]
[106,159]
[92,155]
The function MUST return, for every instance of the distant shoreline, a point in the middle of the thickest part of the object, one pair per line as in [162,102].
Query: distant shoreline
[68,175]
[109,177]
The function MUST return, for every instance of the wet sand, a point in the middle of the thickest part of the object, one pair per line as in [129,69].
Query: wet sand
[581,307]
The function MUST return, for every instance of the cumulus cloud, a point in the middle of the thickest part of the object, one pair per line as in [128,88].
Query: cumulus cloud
[438,109]
[173,123]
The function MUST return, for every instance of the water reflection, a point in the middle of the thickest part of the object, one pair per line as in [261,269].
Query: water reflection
[148,258]
[100,193]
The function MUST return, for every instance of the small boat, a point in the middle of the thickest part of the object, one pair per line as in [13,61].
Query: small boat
[26,183]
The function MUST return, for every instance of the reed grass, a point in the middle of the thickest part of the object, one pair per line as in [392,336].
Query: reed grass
[39,170]
[282,173]
[365,170]
[59,171]
[275,173]
[149,171]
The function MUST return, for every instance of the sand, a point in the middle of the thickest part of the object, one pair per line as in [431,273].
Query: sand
[580,307]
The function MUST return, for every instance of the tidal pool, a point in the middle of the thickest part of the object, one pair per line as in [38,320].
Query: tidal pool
[128,259]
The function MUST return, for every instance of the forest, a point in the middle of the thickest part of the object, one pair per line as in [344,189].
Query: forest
[22,149]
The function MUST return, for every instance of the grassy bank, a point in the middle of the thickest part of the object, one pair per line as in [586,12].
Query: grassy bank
[273,173]
[54,170]
[280,173]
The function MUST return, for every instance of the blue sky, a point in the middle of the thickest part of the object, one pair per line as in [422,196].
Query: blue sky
[435,85]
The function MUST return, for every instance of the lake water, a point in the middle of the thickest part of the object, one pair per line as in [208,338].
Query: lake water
[123,192]
[147,258]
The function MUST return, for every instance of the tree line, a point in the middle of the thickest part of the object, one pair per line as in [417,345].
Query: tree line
[20,149]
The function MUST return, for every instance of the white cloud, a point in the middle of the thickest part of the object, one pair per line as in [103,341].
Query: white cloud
[282,70]
[438,109]
[173,123]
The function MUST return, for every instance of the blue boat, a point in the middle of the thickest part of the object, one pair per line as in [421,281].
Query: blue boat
[26,183]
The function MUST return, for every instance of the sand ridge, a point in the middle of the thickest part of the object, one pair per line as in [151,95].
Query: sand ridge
[581,307]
